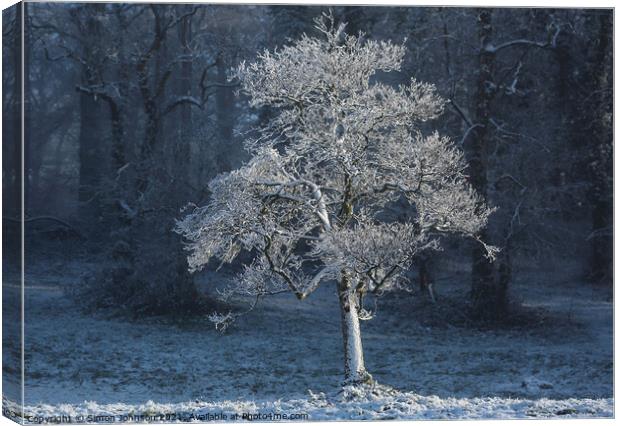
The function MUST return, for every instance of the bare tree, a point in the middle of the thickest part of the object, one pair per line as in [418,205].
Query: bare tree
[490,281]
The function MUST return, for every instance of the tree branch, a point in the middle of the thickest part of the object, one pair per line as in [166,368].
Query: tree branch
[183,100]
[523,42]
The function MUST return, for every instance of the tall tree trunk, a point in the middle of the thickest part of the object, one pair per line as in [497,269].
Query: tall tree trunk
[14,161]
[225,118]
[182,148]
[488,292]
[600,161]
[354,367]
[90,140]
[91,136]
[587,120]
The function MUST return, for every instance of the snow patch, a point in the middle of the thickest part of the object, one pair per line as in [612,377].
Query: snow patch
[352,403]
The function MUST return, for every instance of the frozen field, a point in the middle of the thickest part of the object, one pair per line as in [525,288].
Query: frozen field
[286,357]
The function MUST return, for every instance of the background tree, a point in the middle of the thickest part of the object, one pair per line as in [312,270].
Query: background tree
[513,53]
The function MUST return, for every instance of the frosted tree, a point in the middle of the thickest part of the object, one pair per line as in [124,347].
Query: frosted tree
[339,148]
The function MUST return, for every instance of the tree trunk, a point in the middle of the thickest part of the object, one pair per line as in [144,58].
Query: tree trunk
[354,367]
[424,276]
[600,158]
[488,292]
[91,136]
[14,161]
[182,148]
[224,104]
[91,111]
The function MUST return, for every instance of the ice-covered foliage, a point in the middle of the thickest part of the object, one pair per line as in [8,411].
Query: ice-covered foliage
[339,147]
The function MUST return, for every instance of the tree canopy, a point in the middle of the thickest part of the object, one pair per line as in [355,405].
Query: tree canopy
[337,150]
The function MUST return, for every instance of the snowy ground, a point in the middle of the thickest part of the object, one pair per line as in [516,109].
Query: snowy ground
[285,357]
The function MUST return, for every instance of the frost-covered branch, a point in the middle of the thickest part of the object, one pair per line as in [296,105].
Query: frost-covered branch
[551,42]
[338,149]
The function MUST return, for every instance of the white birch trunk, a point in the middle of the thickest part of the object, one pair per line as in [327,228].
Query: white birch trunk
[354,367]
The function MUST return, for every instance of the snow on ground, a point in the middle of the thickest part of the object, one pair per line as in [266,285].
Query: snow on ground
[383,406]
[286,357]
